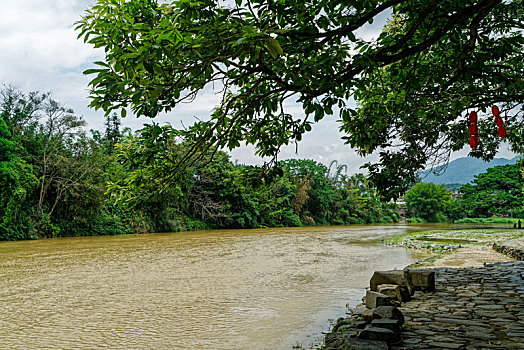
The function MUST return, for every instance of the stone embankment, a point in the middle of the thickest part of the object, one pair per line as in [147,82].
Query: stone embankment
[517,254]
[438,308]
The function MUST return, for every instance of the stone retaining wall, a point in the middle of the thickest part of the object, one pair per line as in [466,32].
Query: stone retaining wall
[517,254]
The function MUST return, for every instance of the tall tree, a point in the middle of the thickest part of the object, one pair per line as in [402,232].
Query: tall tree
[427,201]
[58,128]
[112,134]
[50,145]
[434,61]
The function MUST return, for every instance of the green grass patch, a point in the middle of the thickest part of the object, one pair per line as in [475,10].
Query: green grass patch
[491,220]
[446,240]
[455,237]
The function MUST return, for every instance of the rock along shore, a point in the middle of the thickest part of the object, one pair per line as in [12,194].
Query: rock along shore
[468,308]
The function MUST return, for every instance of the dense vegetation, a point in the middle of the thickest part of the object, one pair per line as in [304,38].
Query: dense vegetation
[427,201]
[499,193]
[58,180]
[412,84]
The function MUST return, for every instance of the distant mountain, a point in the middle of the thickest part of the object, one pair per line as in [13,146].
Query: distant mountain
[463,170]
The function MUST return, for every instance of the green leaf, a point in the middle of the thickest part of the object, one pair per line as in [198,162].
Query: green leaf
[241,40]
[92,71]
[273,47]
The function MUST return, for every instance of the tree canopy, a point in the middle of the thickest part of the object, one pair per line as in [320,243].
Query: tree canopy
[498,191]
[427,201]
[433,62]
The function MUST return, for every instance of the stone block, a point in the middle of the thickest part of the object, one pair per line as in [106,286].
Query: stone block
[368,315]
[348,323]
[387,323]
[423,280]
[359,310]
[341,322]
[388,312]
[380,334]
[391,290]
[399,277]
[358,344]
[375,299]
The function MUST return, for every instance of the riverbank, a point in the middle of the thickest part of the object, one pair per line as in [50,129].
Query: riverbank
[460,248]
[478,302]
[479,298]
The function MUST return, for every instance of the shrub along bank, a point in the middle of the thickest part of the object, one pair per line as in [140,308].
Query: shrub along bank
[57,179]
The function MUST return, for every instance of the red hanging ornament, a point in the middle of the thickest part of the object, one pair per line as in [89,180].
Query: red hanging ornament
[473,130]
[473,142]
[495,110]
[498,121]
[502,132]
[473,117]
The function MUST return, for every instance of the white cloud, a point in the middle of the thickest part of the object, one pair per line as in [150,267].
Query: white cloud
[40,51]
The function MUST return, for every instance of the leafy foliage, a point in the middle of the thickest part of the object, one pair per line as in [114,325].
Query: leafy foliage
[495,192]
[17,182]
[427,201]
[54,177]
[219,194]
[433,61]
[53,173]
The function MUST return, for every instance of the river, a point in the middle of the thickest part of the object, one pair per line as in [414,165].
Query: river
[224,289]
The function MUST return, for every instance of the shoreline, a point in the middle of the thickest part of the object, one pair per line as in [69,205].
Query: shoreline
[460,247]
[468,273]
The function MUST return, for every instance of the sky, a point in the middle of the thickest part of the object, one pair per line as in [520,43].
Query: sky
[39,51]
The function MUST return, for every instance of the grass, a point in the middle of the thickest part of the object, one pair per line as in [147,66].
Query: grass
[442,243]
[491,220]
[454,239]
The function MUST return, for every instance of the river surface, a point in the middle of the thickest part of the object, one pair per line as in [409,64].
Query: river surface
[226,289]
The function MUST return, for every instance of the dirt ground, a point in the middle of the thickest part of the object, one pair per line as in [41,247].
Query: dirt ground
[469,256]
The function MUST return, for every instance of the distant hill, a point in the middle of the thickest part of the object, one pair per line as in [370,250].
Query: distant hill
[463,170]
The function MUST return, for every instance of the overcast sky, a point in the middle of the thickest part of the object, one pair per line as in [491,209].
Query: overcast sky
[39,51]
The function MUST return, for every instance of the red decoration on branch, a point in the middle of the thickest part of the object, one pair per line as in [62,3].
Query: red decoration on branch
[473,117]
[473,131]
[474,142]
[499,122]
[502,132]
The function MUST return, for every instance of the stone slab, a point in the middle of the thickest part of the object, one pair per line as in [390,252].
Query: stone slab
[375,299]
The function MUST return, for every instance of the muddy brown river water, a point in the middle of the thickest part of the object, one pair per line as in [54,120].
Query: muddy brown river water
[227,289]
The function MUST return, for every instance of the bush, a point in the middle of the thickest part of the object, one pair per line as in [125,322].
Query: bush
[44,228]
[517,213]
[107,224]
[416,220]
[491,220]
[186,223]
[386,220]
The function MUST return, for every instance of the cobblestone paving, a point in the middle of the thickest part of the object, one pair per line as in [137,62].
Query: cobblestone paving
[472,308]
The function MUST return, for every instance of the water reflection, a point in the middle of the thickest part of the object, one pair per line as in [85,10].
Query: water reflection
[256,289]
